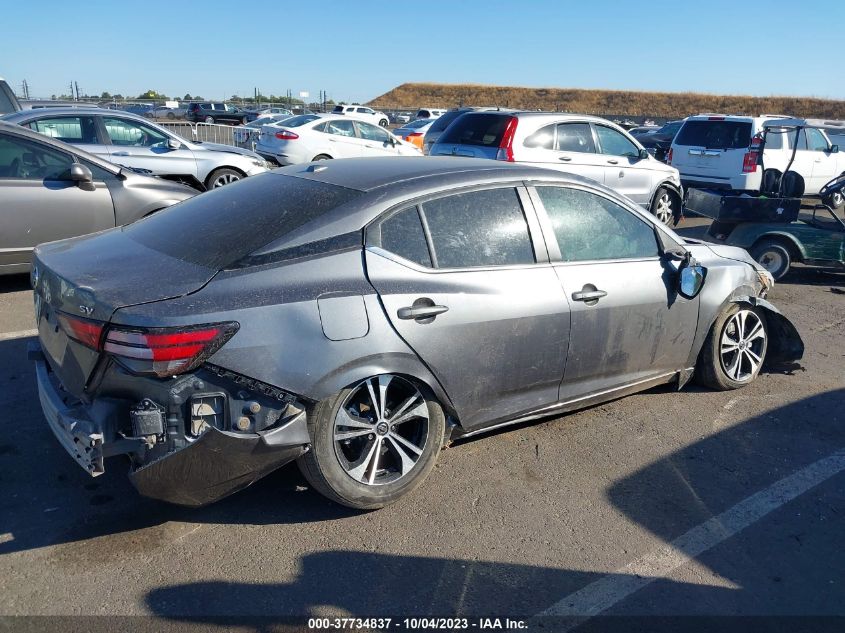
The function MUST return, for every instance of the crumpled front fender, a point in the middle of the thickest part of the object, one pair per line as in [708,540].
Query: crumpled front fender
[785,343]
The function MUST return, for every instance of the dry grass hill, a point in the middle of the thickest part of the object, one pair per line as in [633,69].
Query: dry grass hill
[670,105]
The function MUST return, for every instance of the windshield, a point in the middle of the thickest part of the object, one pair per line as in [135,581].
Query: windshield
[224,225]
[300,119]
[414,125]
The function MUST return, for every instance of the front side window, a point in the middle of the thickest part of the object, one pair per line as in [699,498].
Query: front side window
[126,133]
[373,133]
[479,228]
[24,159]
[590,227]
[402,234]
[575,137]
[79,130]
[816,141]
[614,143]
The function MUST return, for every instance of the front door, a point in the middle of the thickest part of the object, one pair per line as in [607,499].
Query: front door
[40,204]
[624,170]
[141,146]
[628,324]
[466,294]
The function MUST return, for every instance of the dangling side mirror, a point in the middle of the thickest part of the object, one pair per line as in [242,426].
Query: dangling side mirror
[691,276]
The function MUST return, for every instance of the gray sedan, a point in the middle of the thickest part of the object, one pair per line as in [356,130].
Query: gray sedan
[135,142]
[363,313]
[51,191]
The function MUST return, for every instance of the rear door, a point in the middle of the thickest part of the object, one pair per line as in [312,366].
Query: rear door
[624,171]
[141,146]
[40,203]
[628,324]
[492,322]
[343,139]
[566,147]
[77,130]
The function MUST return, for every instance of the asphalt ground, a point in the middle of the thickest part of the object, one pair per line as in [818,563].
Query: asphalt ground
[663,504]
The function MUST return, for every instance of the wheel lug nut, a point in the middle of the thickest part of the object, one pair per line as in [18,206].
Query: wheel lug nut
[370,436]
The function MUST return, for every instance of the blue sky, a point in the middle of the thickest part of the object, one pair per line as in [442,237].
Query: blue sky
[359,50]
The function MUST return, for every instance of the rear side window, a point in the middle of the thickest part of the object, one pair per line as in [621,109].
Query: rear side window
[402,233]
[575,137]
[590,227]
[544,138]
[77,130]
[226,224]
[479,228]
[715,134]
[481,129]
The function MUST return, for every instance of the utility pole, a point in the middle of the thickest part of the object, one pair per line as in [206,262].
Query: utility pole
[25,89]
[77,90]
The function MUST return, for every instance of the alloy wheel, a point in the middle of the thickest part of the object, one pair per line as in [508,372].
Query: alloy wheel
[742,346]
[224,179]
[663,208]
[380,430]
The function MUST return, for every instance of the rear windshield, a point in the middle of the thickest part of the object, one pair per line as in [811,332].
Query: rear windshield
[443,121]
[715,134]
[222,226]
[482,129]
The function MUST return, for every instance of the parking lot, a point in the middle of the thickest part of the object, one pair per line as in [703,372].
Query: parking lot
[664,503]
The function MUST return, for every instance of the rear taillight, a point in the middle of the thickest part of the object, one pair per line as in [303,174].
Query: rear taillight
[669,157]
[749,162]
[506,145]
[85,331]
[166,352]
[286,135]
[413,134]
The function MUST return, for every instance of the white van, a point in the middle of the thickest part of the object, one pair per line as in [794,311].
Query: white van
[717,151]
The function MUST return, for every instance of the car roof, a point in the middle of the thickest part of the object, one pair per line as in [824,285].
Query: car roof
[16,130]
[368,174]
[26,115]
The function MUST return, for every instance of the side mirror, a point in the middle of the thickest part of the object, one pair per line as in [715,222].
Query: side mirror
[834,149]
[80,173]
[643,155]
[690,277]
[172,143]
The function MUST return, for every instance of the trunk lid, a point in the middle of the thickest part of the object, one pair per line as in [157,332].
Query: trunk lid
[98,275]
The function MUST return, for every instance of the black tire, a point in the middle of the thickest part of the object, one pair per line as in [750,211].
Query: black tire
[321,157]
[322,465]
[209,119]
[715,364]
[221,177]
[774,256]
[383,122]
[666,205]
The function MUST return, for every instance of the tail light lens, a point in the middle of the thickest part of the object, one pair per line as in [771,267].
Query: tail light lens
[85,331]
[413,134]
[749,162]
[286,135]
[669,156]
[166,352]
[506,145]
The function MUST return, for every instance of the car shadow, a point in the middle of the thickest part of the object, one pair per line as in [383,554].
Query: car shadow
[770,566]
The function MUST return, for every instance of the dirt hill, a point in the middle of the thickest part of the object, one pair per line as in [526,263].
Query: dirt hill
[670,105]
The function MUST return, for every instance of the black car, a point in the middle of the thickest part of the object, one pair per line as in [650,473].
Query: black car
[658,142]
[216,112]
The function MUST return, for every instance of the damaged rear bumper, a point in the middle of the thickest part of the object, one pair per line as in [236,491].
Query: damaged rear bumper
[206,469]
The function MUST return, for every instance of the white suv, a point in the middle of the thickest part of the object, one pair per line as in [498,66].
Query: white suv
[716,151]
[579,144]
[362,113]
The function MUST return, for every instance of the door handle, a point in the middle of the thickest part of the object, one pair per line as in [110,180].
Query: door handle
[613,161]
[590,297]
[120,154]
[566,158]
[420,311]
